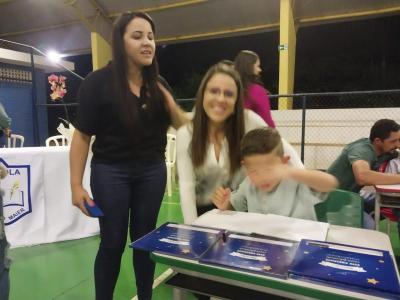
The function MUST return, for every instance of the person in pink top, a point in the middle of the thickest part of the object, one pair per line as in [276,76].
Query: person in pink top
[256,98]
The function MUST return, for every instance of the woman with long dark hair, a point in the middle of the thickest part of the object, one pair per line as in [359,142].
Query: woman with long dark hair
[208,148]
[128,108]
[256,98]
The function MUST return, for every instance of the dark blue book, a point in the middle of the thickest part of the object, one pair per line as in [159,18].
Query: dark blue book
[252,254]
[360,269]
[178,240]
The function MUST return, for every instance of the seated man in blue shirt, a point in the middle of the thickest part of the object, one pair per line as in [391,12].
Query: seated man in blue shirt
[272,186]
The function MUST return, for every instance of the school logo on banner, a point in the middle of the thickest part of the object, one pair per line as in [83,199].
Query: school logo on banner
[16,189]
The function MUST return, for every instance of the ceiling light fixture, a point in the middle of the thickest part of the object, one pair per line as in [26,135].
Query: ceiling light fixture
[53,56]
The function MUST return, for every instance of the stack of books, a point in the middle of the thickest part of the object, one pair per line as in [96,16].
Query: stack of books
[364,270]
[359,269]
[178,240]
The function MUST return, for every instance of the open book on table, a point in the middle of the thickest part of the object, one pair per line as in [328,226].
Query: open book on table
[264,224]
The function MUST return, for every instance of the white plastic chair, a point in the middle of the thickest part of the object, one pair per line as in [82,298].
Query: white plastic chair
[58,140]
[14,140]
[170,159]
[67,131]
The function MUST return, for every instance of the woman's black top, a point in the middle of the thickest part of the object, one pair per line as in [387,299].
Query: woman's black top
[99,115]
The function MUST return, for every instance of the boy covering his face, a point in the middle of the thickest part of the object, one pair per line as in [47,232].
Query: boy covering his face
[272,186]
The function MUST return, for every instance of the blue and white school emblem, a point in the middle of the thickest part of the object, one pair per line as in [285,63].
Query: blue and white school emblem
[17,192]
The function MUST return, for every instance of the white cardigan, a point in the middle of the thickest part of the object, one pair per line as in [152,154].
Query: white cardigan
[213,173]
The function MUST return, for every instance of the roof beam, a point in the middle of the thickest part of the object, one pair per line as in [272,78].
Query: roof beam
[100,23]
[163,6]
[349,16]
[39,29]
[223,32]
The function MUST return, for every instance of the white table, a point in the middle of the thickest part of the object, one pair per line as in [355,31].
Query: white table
[382,190]
[37,201]
[290,288]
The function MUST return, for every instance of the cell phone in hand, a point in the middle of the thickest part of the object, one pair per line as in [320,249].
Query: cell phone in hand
[94,211]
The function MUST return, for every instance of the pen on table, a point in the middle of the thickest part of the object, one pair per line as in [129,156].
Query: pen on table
[224,236]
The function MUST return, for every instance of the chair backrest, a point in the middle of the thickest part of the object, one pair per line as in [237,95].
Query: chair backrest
[341,208]
[67,132]
[15,140]
[56,140]
[170,151]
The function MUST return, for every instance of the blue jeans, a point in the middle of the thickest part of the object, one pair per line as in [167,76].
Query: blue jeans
[368,221]
[130,195]
[4,261]
[369,206]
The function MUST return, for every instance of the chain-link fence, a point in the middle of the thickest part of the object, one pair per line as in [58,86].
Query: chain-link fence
[319,125]
[25,91]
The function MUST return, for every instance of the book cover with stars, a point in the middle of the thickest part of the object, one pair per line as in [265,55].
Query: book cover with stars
[364,270]
[261,255]
[178,240]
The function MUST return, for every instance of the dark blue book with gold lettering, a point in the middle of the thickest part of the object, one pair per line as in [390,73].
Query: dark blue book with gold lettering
[178,240]
[260,255]
[360,269]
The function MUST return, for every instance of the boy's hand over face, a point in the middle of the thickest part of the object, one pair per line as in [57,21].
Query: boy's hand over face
[221,198]
[269,176]
[279,172]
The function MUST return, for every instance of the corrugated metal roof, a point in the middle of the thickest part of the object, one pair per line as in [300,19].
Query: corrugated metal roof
[57,25]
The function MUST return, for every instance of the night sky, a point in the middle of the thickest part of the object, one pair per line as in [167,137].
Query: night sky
[361,55]
[348,56]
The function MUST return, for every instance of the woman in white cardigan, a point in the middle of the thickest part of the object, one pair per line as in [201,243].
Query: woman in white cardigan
[208,148]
